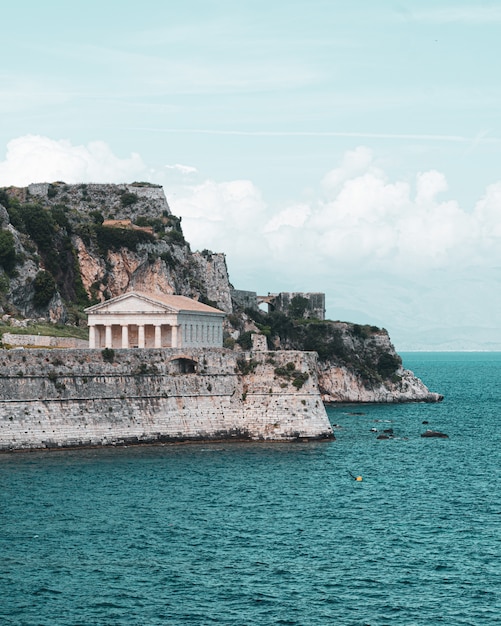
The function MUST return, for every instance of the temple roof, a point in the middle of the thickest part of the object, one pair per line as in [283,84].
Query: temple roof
[170,303]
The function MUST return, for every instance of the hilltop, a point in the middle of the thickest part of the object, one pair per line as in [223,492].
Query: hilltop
[65,247]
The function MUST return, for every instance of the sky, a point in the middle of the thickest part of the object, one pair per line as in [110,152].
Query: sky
[352,148]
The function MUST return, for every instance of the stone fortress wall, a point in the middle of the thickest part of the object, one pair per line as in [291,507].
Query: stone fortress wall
[105,198]
[73,398]
[314,302]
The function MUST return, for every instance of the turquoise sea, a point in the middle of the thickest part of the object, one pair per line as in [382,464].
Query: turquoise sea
[244,534]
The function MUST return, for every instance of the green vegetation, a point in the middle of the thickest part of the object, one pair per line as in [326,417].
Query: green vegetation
[388,364]
[349,345]
[45,288]
[245,340]
[128,198]
[7,251]
[116,238]
[298,307]
[290,373]
[47,330]
[246,367]
[108,355]
[50,230]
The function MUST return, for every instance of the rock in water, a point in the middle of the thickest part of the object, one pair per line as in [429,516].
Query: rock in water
[435,433]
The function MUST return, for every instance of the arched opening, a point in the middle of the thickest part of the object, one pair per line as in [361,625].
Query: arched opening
[183,365]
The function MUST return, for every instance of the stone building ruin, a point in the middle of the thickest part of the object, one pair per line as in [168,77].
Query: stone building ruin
[309,305]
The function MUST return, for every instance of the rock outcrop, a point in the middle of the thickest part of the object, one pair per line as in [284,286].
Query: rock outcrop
[65,247]
[97,241]
[340,384]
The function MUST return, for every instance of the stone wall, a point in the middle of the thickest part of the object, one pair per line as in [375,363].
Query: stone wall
[315,303]
[245,299]
[42,341]
[72,398]
[105,198]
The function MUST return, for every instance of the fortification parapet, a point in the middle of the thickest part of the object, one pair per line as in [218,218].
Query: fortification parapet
[296,304]
[72,398]
[122,201]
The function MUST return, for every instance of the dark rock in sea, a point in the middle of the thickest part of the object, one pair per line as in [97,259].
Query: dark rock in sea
[425,422]
[435,433]
[384,437]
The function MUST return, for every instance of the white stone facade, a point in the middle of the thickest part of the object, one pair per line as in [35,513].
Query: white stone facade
[145,320]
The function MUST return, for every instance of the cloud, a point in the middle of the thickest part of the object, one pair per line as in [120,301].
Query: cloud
[33,158]
[396,253]
[222,216]
[360,223]
[182,169]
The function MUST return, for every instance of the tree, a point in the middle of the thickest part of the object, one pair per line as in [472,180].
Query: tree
[7,250]
[297,307]
[45,288]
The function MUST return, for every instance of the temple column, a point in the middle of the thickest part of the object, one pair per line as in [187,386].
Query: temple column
[140,336]
[158,336]
[108,343]
[92,337]
[125,336]
[174,336]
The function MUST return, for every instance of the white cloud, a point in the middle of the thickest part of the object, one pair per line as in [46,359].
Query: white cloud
[354,161]
[182,169]
[294,216]
[226,217]
[33,158]
[361,222]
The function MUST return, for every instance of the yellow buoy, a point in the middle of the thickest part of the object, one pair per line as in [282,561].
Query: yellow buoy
[358,479]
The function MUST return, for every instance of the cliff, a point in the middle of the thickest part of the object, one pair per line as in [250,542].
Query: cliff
[65,247]
[357,363]
[73,398]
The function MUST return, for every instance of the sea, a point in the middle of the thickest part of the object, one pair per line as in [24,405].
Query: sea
[262,534]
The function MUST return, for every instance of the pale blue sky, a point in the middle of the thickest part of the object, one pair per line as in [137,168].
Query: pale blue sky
[348,147]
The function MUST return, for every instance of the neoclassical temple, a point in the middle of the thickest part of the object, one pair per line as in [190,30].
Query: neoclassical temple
[146,320]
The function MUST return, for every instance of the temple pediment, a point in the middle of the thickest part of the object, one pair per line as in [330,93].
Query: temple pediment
[130,303]
[146,320]
[138,302]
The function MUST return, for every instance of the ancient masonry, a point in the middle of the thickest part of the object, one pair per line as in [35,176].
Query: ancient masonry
[313,304]
[72,398]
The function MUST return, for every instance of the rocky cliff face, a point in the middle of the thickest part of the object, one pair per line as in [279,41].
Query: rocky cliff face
[356,363]
[64,247]
[74,245]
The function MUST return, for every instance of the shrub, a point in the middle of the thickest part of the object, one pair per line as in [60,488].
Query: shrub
[245,340]
[298,306]
[7,250]
[128,198]
[388,364]
[300,379]
[4,198]
[97,217]
[108,355]
[116,238]
[45,288]
[246,367]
